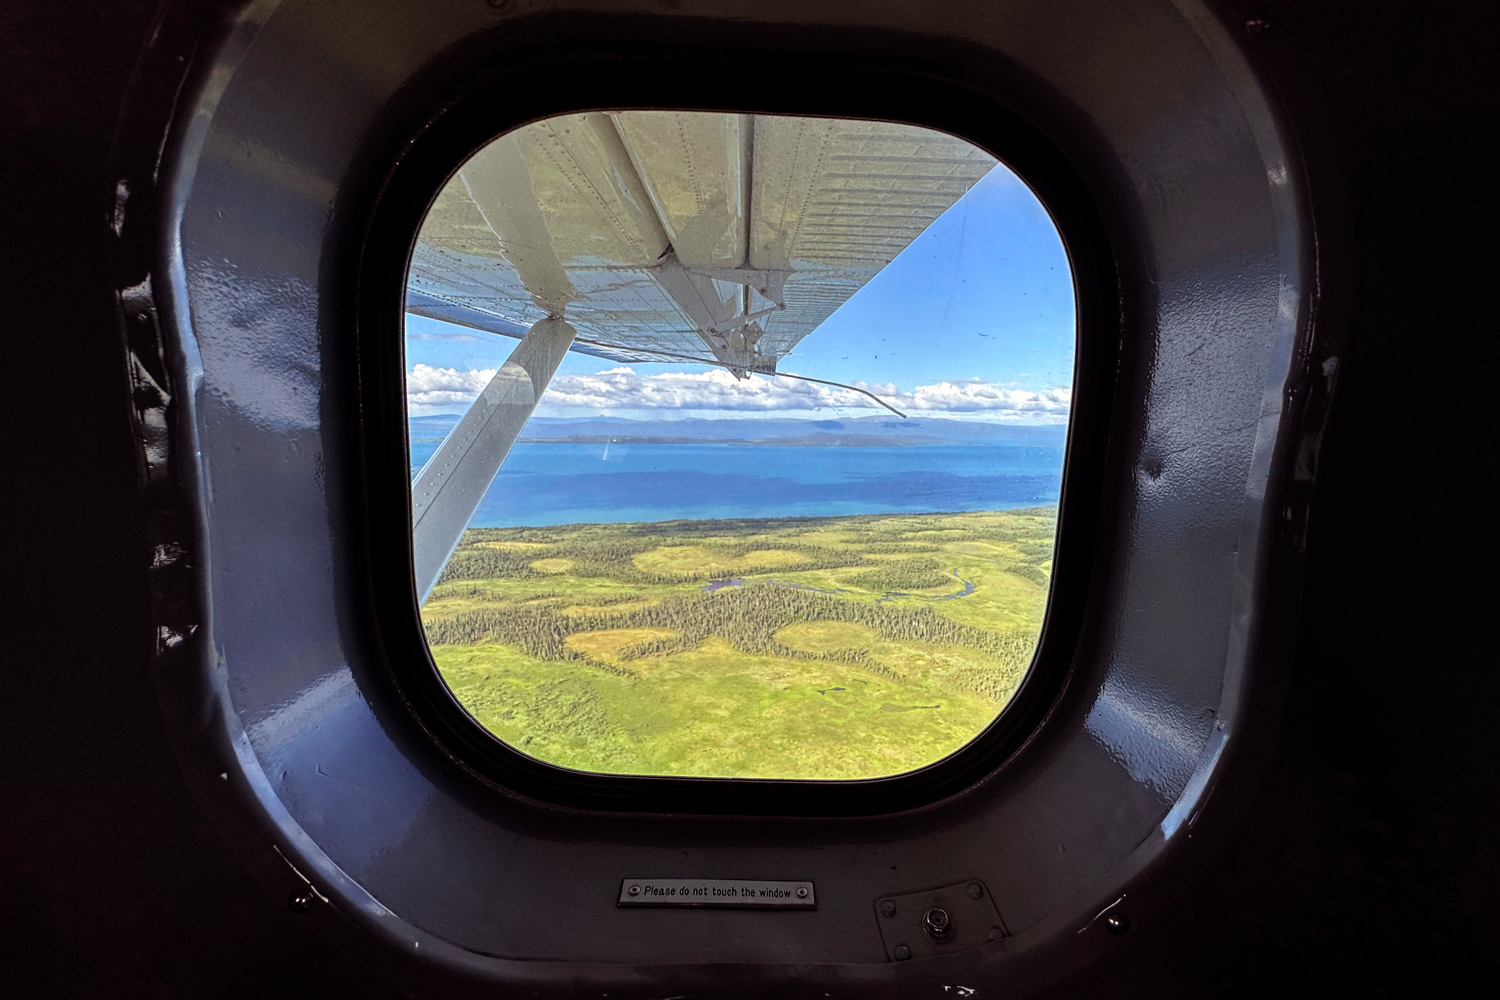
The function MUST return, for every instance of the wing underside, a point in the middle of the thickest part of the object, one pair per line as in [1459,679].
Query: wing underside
[719,238]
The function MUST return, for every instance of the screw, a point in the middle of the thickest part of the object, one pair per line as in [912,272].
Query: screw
[937,923]
[301,900]
[902,953]
[888,909]
[635,890]
[801,892]
[976,891]
[1117,924]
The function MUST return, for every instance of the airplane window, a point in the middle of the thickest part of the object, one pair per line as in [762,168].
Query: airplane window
[736,441]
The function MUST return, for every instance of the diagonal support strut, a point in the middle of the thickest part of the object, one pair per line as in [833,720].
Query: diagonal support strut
[451,485]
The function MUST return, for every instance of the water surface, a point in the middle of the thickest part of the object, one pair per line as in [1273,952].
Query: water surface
[544,484]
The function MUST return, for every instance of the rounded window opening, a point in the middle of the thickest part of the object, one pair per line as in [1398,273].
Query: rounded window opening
[736,441]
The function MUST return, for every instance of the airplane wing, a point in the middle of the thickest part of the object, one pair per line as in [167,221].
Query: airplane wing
[718,238]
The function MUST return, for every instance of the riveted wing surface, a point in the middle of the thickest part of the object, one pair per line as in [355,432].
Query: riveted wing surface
[722,238]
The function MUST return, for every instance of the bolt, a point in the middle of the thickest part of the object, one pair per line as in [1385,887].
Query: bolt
[937,923]
[976,891]
[1117,924]
[888,909]
[902,953]
[801,892]
[635,890]
[301,900]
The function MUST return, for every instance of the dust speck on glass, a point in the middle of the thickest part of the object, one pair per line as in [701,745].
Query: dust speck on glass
[736,441]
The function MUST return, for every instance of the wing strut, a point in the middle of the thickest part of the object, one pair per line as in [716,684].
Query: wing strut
[453,482]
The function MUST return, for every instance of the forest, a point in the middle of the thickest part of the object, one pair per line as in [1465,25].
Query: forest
[803,648]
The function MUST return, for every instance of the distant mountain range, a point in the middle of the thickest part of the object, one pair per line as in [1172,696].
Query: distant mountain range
[803,440]
[857,432]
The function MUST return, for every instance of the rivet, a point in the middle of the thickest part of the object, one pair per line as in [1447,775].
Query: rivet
[976,891]
[888,909]
[635,890]
[1117,924]
[301,900]
[902,953]
[801,892]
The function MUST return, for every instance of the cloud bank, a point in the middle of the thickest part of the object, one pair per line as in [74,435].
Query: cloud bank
[444,390]
[447,390]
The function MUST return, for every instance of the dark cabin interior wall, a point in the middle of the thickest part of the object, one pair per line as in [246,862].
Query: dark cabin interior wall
[1370,861]
[111,882]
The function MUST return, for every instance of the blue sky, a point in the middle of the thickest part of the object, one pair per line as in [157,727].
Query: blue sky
[975,319]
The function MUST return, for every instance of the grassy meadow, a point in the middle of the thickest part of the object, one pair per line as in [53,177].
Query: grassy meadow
[827,647]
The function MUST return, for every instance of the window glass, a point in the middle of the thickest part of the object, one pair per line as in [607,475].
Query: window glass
[736,441]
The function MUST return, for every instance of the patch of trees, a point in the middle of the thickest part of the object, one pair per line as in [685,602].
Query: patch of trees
[611,555]
[903,575]
[748,618]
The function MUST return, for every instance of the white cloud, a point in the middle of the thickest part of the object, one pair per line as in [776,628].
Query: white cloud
[434,390]
[624,388]
[977,396]
[443,390]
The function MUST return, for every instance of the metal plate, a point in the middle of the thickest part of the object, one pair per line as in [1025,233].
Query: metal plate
[740,893]
[972,920]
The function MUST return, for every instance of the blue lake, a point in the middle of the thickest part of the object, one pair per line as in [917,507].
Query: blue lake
[544,484]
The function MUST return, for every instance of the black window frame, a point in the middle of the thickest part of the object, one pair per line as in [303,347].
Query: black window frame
[495,87]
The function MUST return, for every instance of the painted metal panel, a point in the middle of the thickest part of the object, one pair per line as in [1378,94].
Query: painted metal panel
[280,704]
